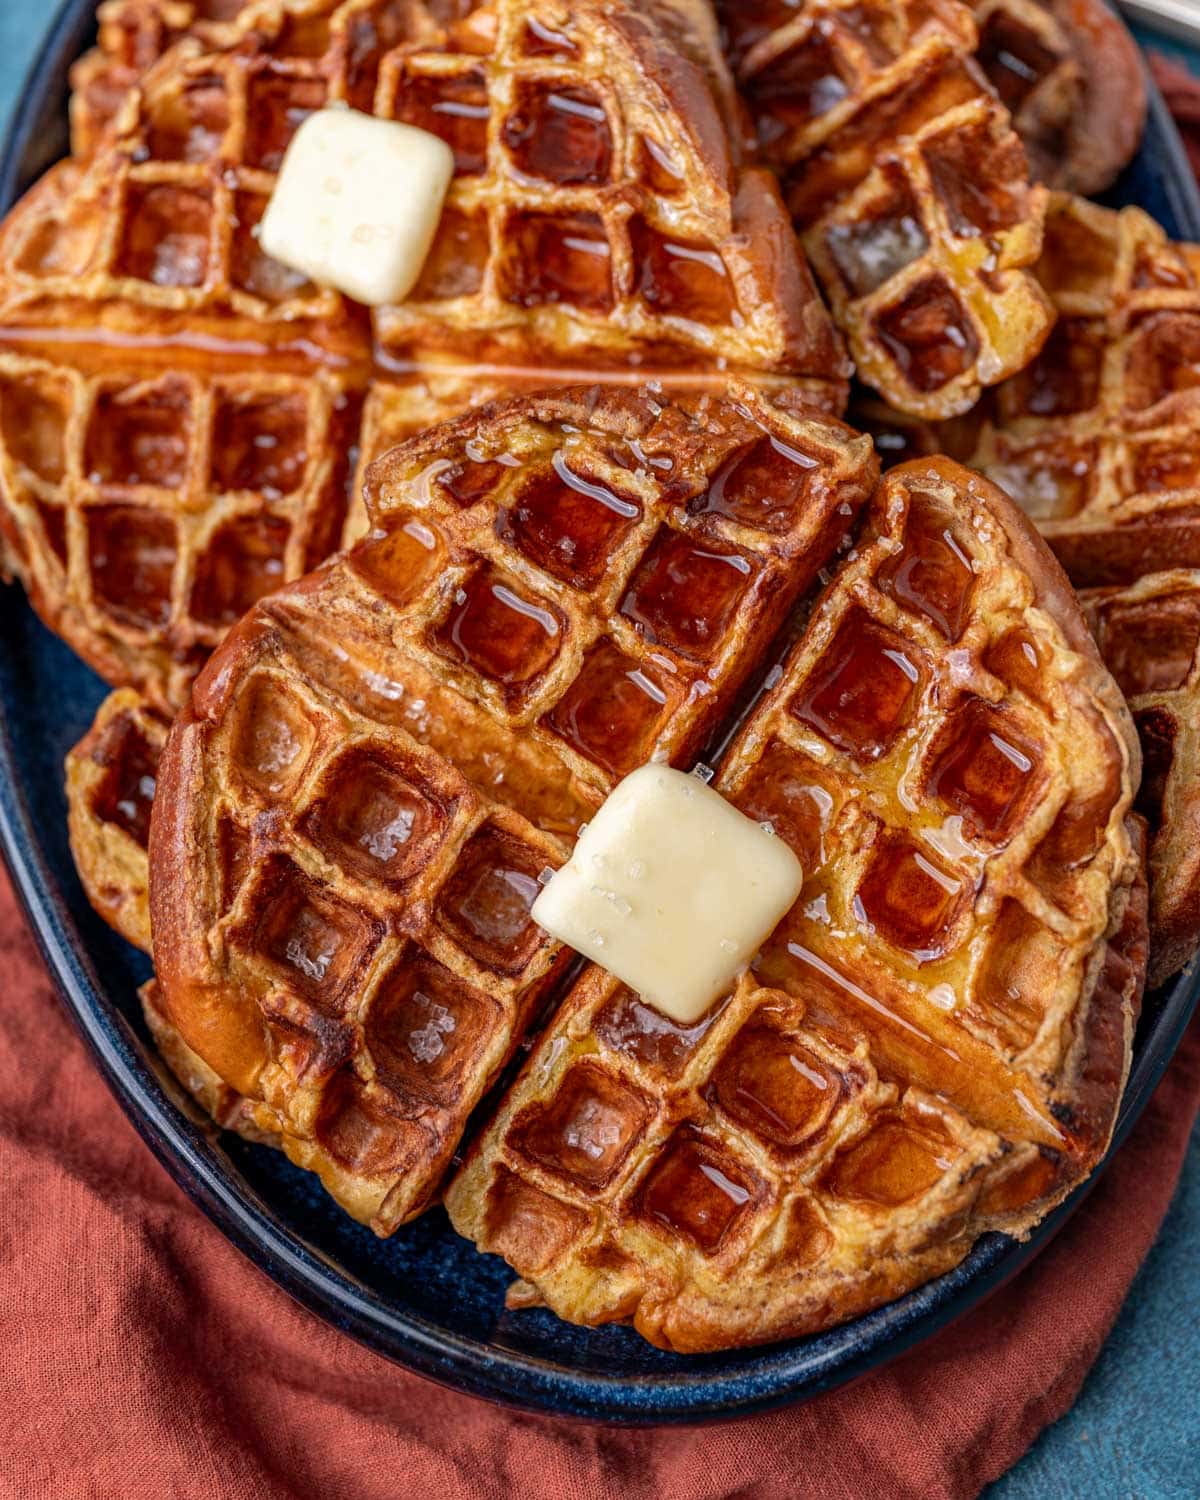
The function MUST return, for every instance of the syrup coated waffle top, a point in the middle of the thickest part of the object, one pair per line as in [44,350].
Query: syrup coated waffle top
[111,778]
[133,34]
[177,410]
[908,186]
[598,209]
[1149,634]
[933,1042]
[352,814]
[1099,440]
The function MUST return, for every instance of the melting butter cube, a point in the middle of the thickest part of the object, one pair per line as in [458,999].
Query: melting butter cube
[357,203]
[671,889]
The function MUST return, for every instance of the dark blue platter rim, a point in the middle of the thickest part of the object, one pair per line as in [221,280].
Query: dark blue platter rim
[45,696]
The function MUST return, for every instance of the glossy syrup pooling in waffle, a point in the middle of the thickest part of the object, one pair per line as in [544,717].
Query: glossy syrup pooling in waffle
[1098,440]
[352,814]
[933,1041]
[582,219]
[133,34]
[908,187]
[135,297]
[145,510]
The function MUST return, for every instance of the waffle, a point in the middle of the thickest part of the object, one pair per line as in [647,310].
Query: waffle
[133,34]
[378,762]
[111,775]
[564,235]
[907,185]
[1099,439]
[1149,634]
[133,286]
[1070,74]
[146,509]
[932,1043]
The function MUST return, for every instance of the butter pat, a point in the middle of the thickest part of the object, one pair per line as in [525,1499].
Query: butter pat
[671,889]
[357,203]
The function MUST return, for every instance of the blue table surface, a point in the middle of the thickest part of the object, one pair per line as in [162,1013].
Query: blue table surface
[1134,1432]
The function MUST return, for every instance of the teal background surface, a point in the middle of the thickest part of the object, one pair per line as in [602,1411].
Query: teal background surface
[1134,1433]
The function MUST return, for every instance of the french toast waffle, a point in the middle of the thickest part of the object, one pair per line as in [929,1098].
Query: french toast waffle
[1099,439]
[111,776]
[352,814]
[133,34]
[1149,635]
[562,234]
[933,1042]
[140,271]
[907,185]
[1099,442]
[1070,74]
[145,509]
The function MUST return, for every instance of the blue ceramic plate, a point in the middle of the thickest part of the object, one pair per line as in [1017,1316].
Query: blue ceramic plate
[424,1298]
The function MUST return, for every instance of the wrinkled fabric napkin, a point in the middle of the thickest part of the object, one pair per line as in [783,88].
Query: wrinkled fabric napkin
[141,1357]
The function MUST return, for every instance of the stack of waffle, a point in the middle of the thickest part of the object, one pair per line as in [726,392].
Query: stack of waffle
[1099,442]
[183,409]
[597,508]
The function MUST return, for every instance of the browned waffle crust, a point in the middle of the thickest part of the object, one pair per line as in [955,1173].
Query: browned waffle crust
[1099,439]
[133,34]
[1070,74]
[177,411]
[1149,634]
[111,775]
[933,1042]
[352,813]
[908,186]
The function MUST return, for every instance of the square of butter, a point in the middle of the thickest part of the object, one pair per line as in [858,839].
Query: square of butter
[357,203]
[671,889]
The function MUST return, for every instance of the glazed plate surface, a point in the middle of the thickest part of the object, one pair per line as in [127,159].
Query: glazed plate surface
[425,1298]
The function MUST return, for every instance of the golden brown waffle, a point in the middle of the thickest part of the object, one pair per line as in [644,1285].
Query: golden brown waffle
[222,1105]
[145,509]
[577,223]
[564,233]
[1071,76]
[133,34]
[353,812]
[1099,440]
[132,289]
[111,775]
[907,184]
[1149,634]
[933,1042]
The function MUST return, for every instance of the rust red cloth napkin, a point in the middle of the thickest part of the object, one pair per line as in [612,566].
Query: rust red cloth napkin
[142,1357]
[1181,90]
